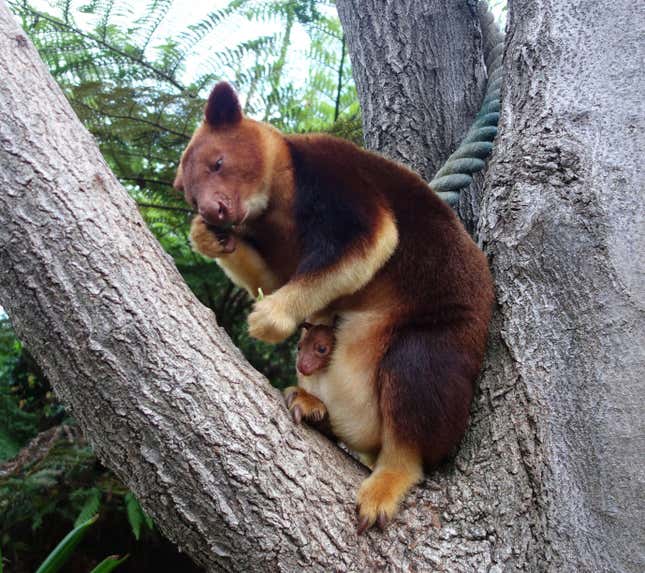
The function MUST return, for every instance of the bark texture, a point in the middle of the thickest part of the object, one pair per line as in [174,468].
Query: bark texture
[563,223]
[548,476]
[419,72]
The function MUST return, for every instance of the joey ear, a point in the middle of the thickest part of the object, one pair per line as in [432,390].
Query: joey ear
[306,325]
[223,106]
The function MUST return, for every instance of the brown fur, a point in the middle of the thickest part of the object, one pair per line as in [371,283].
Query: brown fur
[246,268]
[315,347]
[337,225]
[304,405]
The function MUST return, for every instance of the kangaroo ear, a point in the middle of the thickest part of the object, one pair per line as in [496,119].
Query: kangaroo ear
[223,107]
[306,325]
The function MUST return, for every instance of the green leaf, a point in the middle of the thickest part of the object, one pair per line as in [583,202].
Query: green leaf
[109,563]
[63,551]
[148,521]
[90,507]
[136,515]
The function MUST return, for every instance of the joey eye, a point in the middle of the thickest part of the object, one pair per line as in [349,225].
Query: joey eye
[320,349]
[299,347]
[217,165]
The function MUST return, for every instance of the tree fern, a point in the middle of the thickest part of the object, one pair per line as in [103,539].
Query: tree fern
[153,16]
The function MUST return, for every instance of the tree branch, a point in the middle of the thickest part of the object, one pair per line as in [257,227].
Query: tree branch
[339,88]
[147,180]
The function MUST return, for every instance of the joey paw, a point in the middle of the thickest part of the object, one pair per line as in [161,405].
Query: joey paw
[304,406]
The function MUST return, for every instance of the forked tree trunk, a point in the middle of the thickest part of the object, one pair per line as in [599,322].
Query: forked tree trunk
[419,74]
[546,478]
[554,459]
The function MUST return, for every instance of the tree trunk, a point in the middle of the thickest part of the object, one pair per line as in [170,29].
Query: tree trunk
[540,482]
[419,72]
[563,224]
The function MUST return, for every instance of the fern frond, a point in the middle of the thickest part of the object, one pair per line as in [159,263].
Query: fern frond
[128,53]
[188,40]
[154,15]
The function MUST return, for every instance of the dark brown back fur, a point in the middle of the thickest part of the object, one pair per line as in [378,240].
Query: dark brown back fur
[442,287]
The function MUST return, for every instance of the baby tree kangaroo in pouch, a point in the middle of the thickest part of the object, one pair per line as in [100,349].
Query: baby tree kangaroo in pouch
[318,223]
[315,349]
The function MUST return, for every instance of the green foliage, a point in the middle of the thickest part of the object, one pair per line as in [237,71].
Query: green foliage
[55,482]
[26,402]
[108,564]
[63,551]
[16,426]
[53,463]
[136,515]
[91,505]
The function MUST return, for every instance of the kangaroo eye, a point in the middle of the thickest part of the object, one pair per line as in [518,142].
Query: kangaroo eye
[217,165]
[299,347]
[321,349]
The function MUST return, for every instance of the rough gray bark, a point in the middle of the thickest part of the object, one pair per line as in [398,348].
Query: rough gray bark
[419,73]
[540,481]
[563,222]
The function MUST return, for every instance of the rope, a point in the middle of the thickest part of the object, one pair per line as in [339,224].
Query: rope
[477,145]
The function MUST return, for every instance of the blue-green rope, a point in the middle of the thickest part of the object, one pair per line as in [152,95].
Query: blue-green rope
[477,145]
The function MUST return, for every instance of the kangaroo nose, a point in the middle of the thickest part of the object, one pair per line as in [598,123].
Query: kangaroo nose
[215,213]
